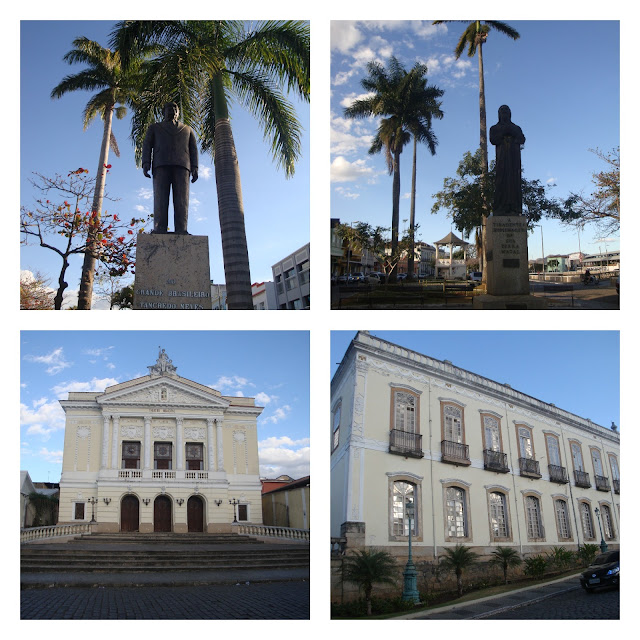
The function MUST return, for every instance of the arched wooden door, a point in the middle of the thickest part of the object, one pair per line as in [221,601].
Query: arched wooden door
[162,514]
[129,513]
[195,514]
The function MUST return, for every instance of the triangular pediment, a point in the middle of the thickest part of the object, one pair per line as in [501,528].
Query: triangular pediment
[164,391]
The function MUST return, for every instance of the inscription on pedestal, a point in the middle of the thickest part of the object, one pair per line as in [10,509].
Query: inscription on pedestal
[507,270]
[172,272]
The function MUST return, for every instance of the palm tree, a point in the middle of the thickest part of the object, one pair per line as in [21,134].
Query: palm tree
[408,106]
[116,88]
[368,567]
[458,559]
[473,37]
[206,66]
[505,557]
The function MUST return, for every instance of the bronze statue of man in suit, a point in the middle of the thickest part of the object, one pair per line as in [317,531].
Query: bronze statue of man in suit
[507,137]
[175,157]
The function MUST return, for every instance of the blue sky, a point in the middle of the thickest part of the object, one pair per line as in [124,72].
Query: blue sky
[271,366]
[560,78]
[578,371]
[52,141]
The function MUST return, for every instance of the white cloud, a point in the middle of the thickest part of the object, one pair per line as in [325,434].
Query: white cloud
[98,352]
[95,384]
[345,192]
[263,398]
[54,457]
[282,455]
[344,171]
[279,414]
[233,383]
[205,172]
[43,418]
[54,361]
[145,194]
[344,35]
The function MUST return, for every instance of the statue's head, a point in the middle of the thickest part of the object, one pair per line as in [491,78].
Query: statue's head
[171,111]
[504,114]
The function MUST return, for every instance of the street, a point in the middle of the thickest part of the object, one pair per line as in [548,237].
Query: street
[266,601]
[571,605]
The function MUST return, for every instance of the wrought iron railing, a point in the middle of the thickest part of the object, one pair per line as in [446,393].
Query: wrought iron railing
[602,483]
[616,485]
[558,474]
[582,479]
[455,452]
[495,461]
[529,467]
[405,443]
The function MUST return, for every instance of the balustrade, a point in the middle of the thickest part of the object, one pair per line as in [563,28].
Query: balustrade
[558,474]
[529,467]
[268,531]
[53,531]
[495,461]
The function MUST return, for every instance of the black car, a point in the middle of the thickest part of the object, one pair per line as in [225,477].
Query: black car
[604,571]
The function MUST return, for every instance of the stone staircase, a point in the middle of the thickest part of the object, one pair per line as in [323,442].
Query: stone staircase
[161,553]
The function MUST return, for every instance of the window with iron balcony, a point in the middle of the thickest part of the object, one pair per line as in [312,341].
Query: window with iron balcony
[404,436]
[454,450]
[494,458]
[557,473]
[529,466]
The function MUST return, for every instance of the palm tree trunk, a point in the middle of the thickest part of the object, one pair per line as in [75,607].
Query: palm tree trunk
[395,215]
[89,265]
[230,208]
[412,213]
[485,159]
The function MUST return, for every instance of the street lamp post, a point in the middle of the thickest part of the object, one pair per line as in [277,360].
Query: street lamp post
[234,502]
[92,501]
[603,545]
[410,591]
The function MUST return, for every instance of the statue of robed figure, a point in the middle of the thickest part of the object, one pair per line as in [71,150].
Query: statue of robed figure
[507,138]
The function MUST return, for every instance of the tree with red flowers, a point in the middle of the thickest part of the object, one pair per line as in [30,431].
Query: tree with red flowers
[62,220]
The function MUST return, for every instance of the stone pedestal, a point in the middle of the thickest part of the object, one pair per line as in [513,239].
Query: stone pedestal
[172,272]
[507,256]
[507,266]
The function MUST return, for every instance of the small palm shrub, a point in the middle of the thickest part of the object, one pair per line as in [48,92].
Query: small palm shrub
[505,558]
[560,558]
[535,566]
[586,553]
[458,559]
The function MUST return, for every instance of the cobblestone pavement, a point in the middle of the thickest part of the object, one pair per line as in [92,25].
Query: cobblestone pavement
[572,605]
[276,600]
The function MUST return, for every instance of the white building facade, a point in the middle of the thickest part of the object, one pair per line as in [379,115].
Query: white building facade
[160,453]
[484,464]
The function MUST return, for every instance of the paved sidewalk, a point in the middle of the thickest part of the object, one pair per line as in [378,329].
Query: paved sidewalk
[272,601]
[483,607]
[160,579]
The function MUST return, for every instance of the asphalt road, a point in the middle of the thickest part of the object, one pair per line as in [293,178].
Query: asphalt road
[571,605]
[265,601]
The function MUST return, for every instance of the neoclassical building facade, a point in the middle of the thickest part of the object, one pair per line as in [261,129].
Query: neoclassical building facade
[483,464]
[160,453]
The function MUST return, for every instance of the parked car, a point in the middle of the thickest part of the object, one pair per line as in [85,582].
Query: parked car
[402,276]
[373,278]
[356,276]
[343,279]
[475,275]
[604,571]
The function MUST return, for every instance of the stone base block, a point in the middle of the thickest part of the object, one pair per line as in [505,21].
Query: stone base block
[509,302]
[219,528]
[172,272]
[507,256]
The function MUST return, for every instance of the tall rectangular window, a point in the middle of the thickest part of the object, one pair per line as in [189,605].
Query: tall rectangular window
[562,519]
[403,492]
[597,462]
[336,428]
[405,411]
[194,455]
[587,522]
[526,443]
[498,508]
[534,517]
[453,423]
[78,511]
[576,454]
[162,455]
[607,522]
[491,433]
[553,448]
[456,513]
[130,455]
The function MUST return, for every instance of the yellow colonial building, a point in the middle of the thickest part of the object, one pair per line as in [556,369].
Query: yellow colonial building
[483,464]
[160,453]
